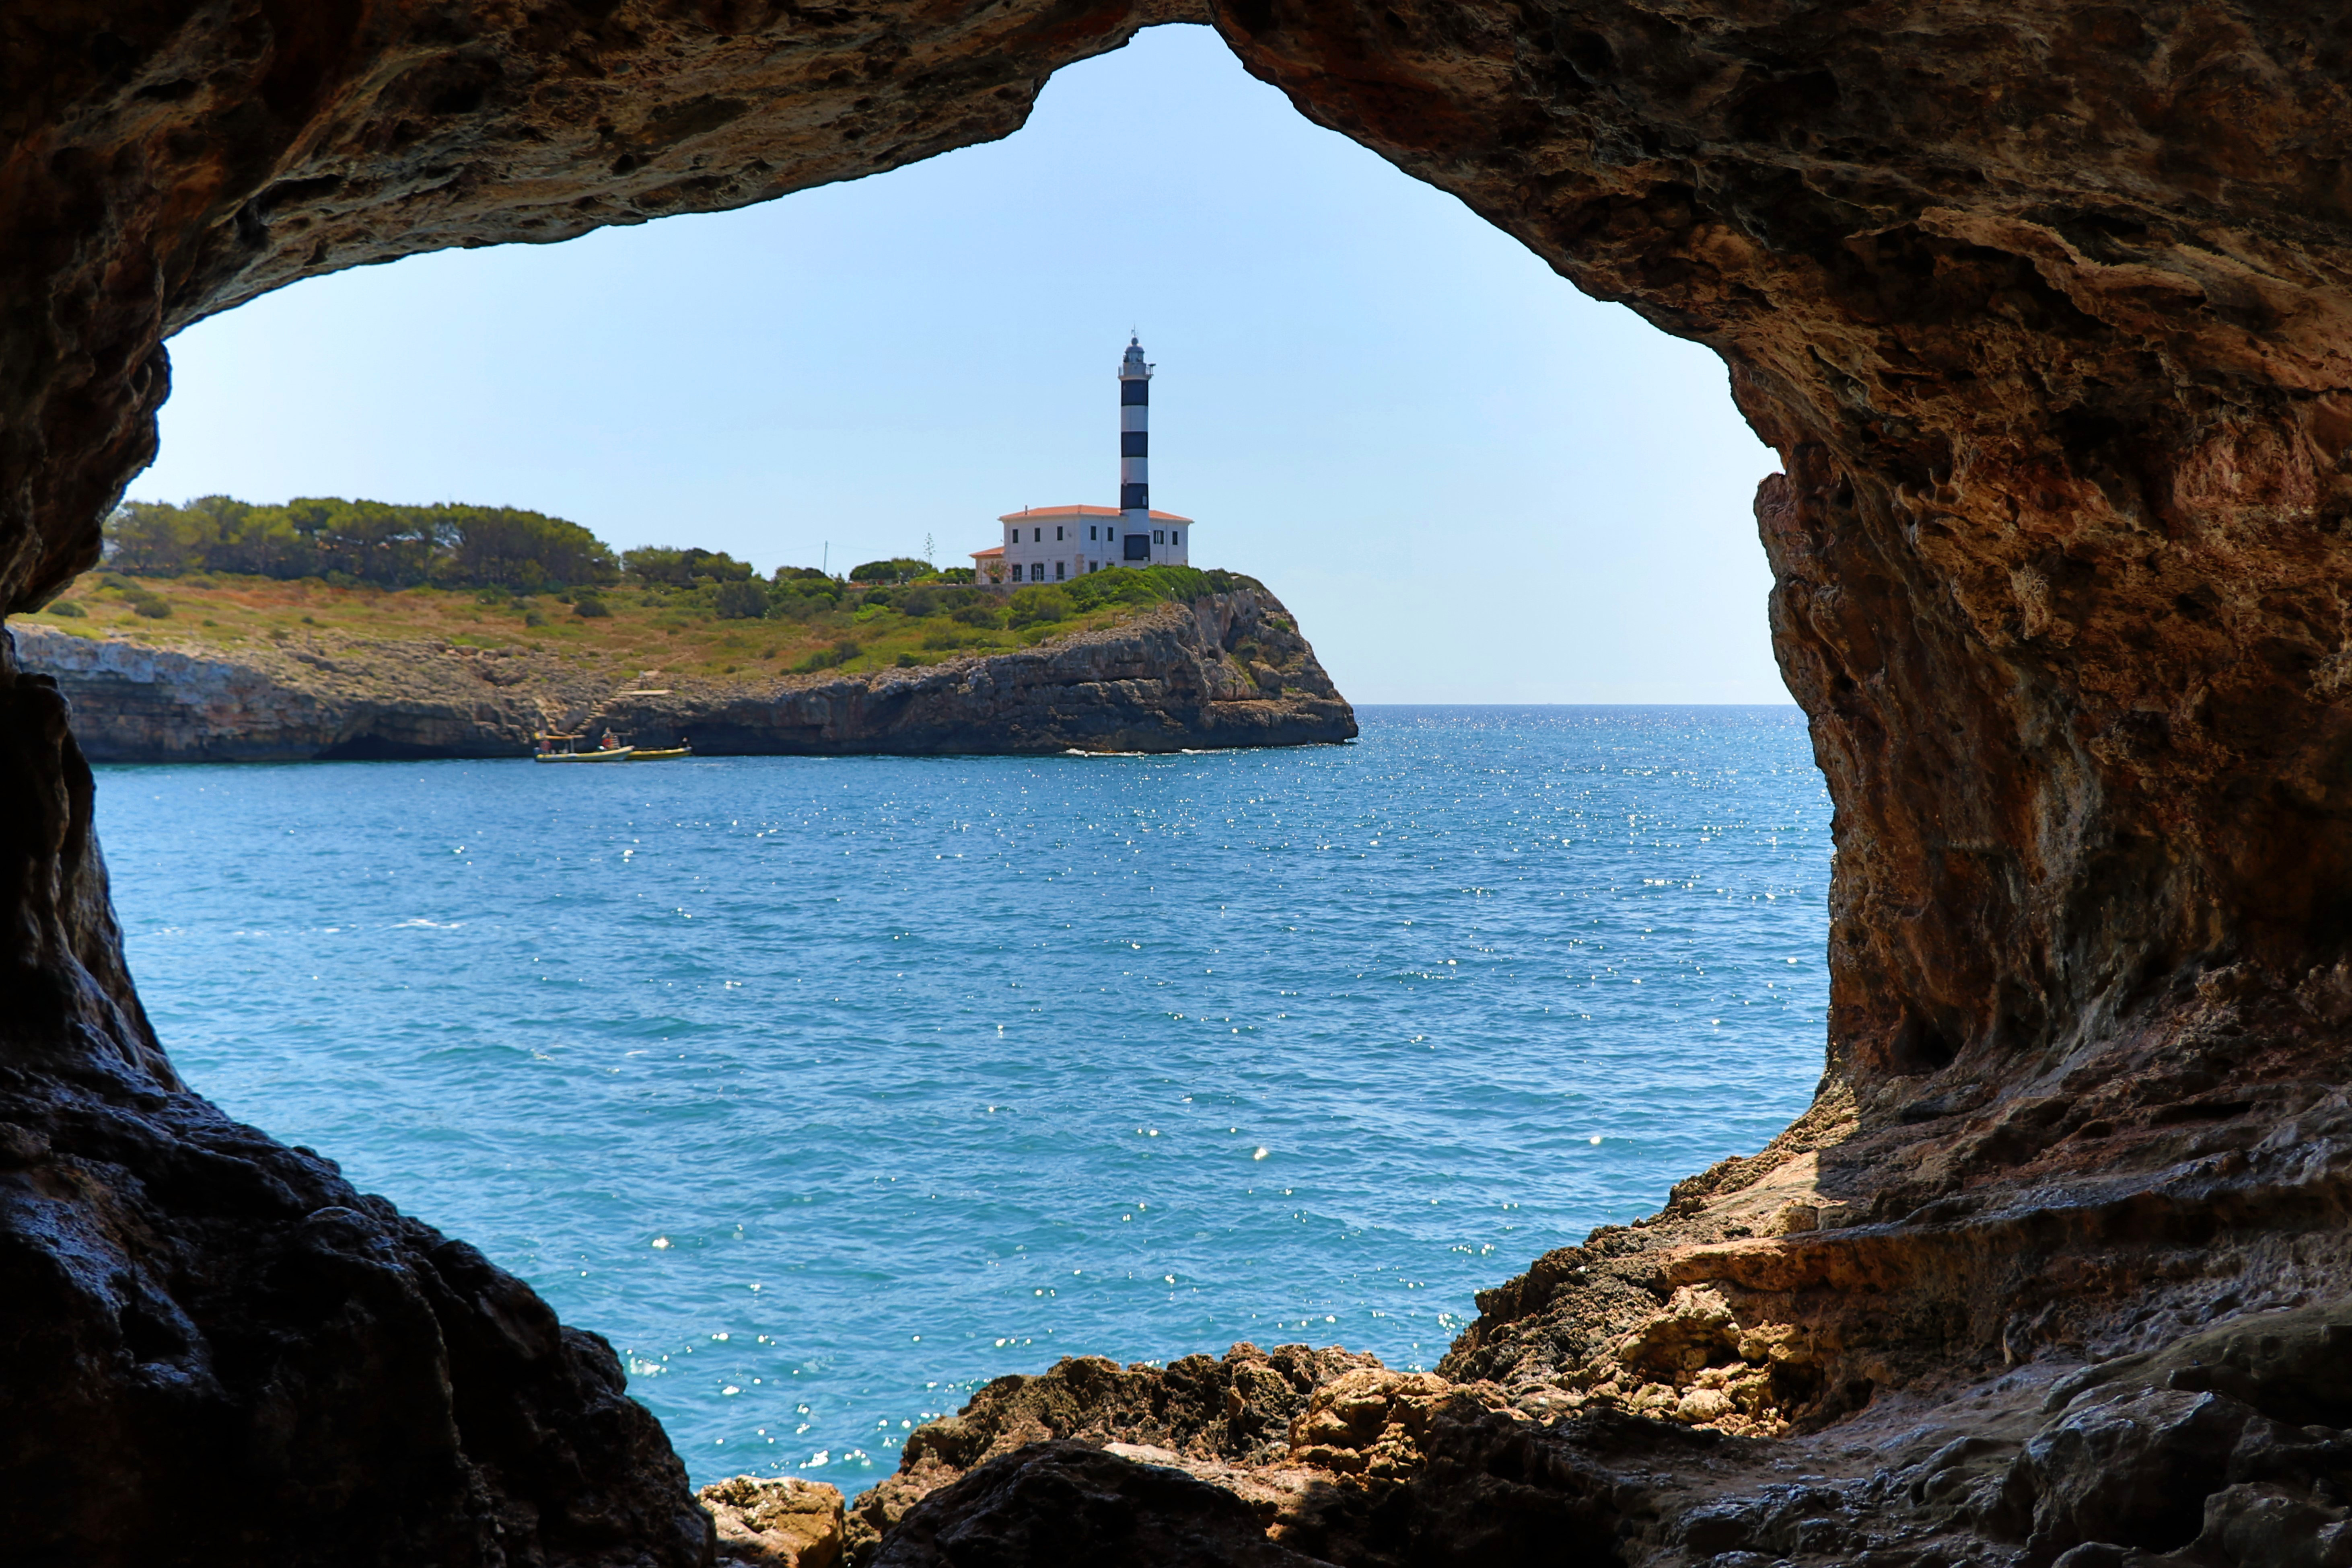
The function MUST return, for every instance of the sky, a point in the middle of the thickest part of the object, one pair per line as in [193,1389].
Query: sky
[1469,482]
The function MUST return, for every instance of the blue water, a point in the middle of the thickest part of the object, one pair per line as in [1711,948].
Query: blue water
[829,1089]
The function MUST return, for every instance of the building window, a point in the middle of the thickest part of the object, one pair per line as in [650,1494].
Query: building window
[1159,536]
[1057,533]
[1037,571]
[1061,569]
[1175,535]
[1090,530]
[1036,536]
[1139,547]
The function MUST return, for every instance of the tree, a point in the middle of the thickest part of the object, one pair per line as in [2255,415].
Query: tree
[897,569]
[679,568]
[378,542]
[741,600]
[154,540]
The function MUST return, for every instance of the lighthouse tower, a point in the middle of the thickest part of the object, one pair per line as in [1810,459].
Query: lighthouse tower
[1054,544]
[1135,456]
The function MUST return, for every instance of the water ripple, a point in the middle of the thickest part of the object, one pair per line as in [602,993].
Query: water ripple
[830,1089]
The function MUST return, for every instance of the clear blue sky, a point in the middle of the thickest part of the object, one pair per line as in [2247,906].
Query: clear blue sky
[1471,483]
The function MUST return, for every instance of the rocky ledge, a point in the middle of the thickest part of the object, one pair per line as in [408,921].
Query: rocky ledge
[1226,669]
[2103,1326]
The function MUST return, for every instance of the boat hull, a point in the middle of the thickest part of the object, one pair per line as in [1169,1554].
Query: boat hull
[619,754]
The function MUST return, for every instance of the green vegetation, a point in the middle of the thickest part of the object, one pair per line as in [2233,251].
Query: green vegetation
[739,601]
[897,569]
[682,568]
[463,575]
[350,542]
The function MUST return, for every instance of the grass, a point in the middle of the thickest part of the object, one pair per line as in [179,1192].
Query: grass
[677,632]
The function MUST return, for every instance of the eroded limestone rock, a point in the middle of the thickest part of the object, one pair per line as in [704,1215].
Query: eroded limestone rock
[775,1522]
[2047,309]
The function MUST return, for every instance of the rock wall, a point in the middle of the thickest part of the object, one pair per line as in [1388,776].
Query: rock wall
[2045,308]
[1230,669]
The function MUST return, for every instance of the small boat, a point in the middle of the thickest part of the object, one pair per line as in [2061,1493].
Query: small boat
[660,753]
[566,748]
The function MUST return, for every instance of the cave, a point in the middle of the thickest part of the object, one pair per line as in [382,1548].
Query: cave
[2045,309]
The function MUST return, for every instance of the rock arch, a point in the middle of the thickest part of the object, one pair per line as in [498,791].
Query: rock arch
[2046,307]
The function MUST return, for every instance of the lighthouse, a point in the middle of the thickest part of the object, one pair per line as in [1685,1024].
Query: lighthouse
[1055,544]
[1135,453]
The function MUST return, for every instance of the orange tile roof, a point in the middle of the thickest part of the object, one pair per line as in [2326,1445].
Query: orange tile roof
[979,553]
[1050,512]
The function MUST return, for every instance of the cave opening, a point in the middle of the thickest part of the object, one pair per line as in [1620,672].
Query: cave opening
[666,378]
[2042,313]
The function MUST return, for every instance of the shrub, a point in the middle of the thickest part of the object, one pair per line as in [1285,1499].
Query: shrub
[958,574]
[1043,602]
[530,618]
[739,601]
[679,568]
[1152,584]
[978,613]
[912,661]
[67,608]
[593,608]
[831,658]
[154,607]
[897,569]
[921,601]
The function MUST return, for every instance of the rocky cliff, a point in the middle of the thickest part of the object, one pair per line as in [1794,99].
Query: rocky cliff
[2047,309]
[1228,669]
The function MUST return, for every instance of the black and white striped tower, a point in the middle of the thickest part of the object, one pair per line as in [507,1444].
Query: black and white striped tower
[1135,453]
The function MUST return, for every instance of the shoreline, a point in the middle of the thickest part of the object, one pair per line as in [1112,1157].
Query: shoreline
[1228,670]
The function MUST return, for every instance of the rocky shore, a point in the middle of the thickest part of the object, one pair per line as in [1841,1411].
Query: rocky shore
[1228,669]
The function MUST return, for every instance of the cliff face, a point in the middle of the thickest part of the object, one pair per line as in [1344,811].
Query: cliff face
[1230,669]
[2045,307]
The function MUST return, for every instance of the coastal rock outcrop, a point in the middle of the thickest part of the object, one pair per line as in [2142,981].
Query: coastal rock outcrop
[1228,669]
[785,1523]
[2047,309]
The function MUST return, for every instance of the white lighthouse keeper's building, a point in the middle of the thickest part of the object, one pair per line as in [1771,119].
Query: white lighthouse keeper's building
[1053,544]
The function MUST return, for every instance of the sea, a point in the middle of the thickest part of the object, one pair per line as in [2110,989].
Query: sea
[830,1089]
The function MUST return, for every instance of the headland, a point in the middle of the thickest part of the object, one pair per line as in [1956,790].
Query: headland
[252,669]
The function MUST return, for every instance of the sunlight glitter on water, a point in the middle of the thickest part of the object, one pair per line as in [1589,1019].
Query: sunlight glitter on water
[1023,1057]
